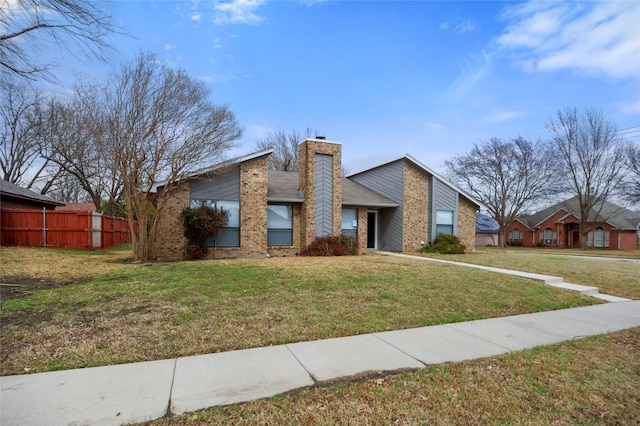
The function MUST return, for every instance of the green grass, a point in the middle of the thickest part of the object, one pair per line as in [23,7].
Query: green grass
[590,381]
[95,310]
[618,278]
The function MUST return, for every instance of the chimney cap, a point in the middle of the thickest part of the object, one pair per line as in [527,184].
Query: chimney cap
[321,137]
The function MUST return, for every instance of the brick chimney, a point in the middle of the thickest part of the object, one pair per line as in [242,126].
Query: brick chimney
[320,179]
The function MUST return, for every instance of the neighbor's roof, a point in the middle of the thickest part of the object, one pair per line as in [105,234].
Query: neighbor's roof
[617,216]
[486,224]
[424,168]
[16,191]
[283,187]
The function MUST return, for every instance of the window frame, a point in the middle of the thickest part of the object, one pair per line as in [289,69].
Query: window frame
[273,231]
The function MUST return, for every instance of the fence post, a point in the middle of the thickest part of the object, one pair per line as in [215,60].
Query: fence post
[44,227]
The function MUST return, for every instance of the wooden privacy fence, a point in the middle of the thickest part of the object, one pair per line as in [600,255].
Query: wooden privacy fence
[62,229]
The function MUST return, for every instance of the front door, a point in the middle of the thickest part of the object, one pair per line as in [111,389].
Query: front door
[371,229]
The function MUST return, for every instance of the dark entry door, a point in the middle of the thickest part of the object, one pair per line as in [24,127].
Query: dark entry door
[371,230]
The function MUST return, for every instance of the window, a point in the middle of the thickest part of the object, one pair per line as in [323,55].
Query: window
[229,236]
[549,237]
[350,222]
[515,237]
[598,238]
[279,225]
[444,222]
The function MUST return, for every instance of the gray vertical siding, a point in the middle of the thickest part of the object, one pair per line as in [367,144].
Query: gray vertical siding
[324,194]
[387,180]
[444,198]
[225,186]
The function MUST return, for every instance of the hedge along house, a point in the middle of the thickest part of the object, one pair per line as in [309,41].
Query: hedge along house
[608,226]
[396,206]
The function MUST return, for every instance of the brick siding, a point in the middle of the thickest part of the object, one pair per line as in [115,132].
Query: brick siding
[415,208]
[171,241]
[466,223]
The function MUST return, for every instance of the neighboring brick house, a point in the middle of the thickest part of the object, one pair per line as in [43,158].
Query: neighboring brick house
[395,206]
[609,226]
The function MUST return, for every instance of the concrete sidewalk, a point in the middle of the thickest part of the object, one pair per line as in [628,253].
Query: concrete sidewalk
[149,390]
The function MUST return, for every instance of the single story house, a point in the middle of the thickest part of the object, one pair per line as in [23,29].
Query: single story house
[487,231]
[398,206]
[609,226]
[13,197]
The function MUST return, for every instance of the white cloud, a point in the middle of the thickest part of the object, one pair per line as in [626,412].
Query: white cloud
[217,78]
[196,17]
[468,78]
[598,39]
[432,125]
[465,26]
[501,116]
[444,26]
[238,12]
[168,47]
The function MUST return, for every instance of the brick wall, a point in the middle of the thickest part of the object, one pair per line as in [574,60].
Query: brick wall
[415,208]
[171,241]
[466,223]
[253,206]
[362,230]
[306,179]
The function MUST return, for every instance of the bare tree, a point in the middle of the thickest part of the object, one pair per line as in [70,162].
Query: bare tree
[68,140]
[19,152]
[589,155]
[28,27]
[632,160]
[505,176]
[159,127]
[285,146]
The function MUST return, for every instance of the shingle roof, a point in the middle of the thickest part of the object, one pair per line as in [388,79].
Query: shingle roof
[486,224]
[355,194]
[283,187]
[16,191]
[617,216]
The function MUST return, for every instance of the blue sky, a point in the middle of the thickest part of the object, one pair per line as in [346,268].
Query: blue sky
[385,78]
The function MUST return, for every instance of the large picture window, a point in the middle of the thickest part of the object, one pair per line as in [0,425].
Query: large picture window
[444,222]
[229,236]
[279,225]
[350,222]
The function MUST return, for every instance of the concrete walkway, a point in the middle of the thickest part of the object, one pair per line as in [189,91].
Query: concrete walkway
[144,391]
[545,279]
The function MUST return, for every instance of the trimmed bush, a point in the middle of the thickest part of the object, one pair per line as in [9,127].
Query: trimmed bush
[342,245]
[445,244]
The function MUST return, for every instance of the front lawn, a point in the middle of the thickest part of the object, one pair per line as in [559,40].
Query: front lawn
[590,381]
[80,309]
[614,277]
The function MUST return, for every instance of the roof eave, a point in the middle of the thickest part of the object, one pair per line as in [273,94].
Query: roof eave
[284,200]
[373,205]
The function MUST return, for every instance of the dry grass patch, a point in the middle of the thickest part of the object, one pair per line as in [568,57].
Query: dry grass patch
[618,278]
[592,381]
[117,312]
